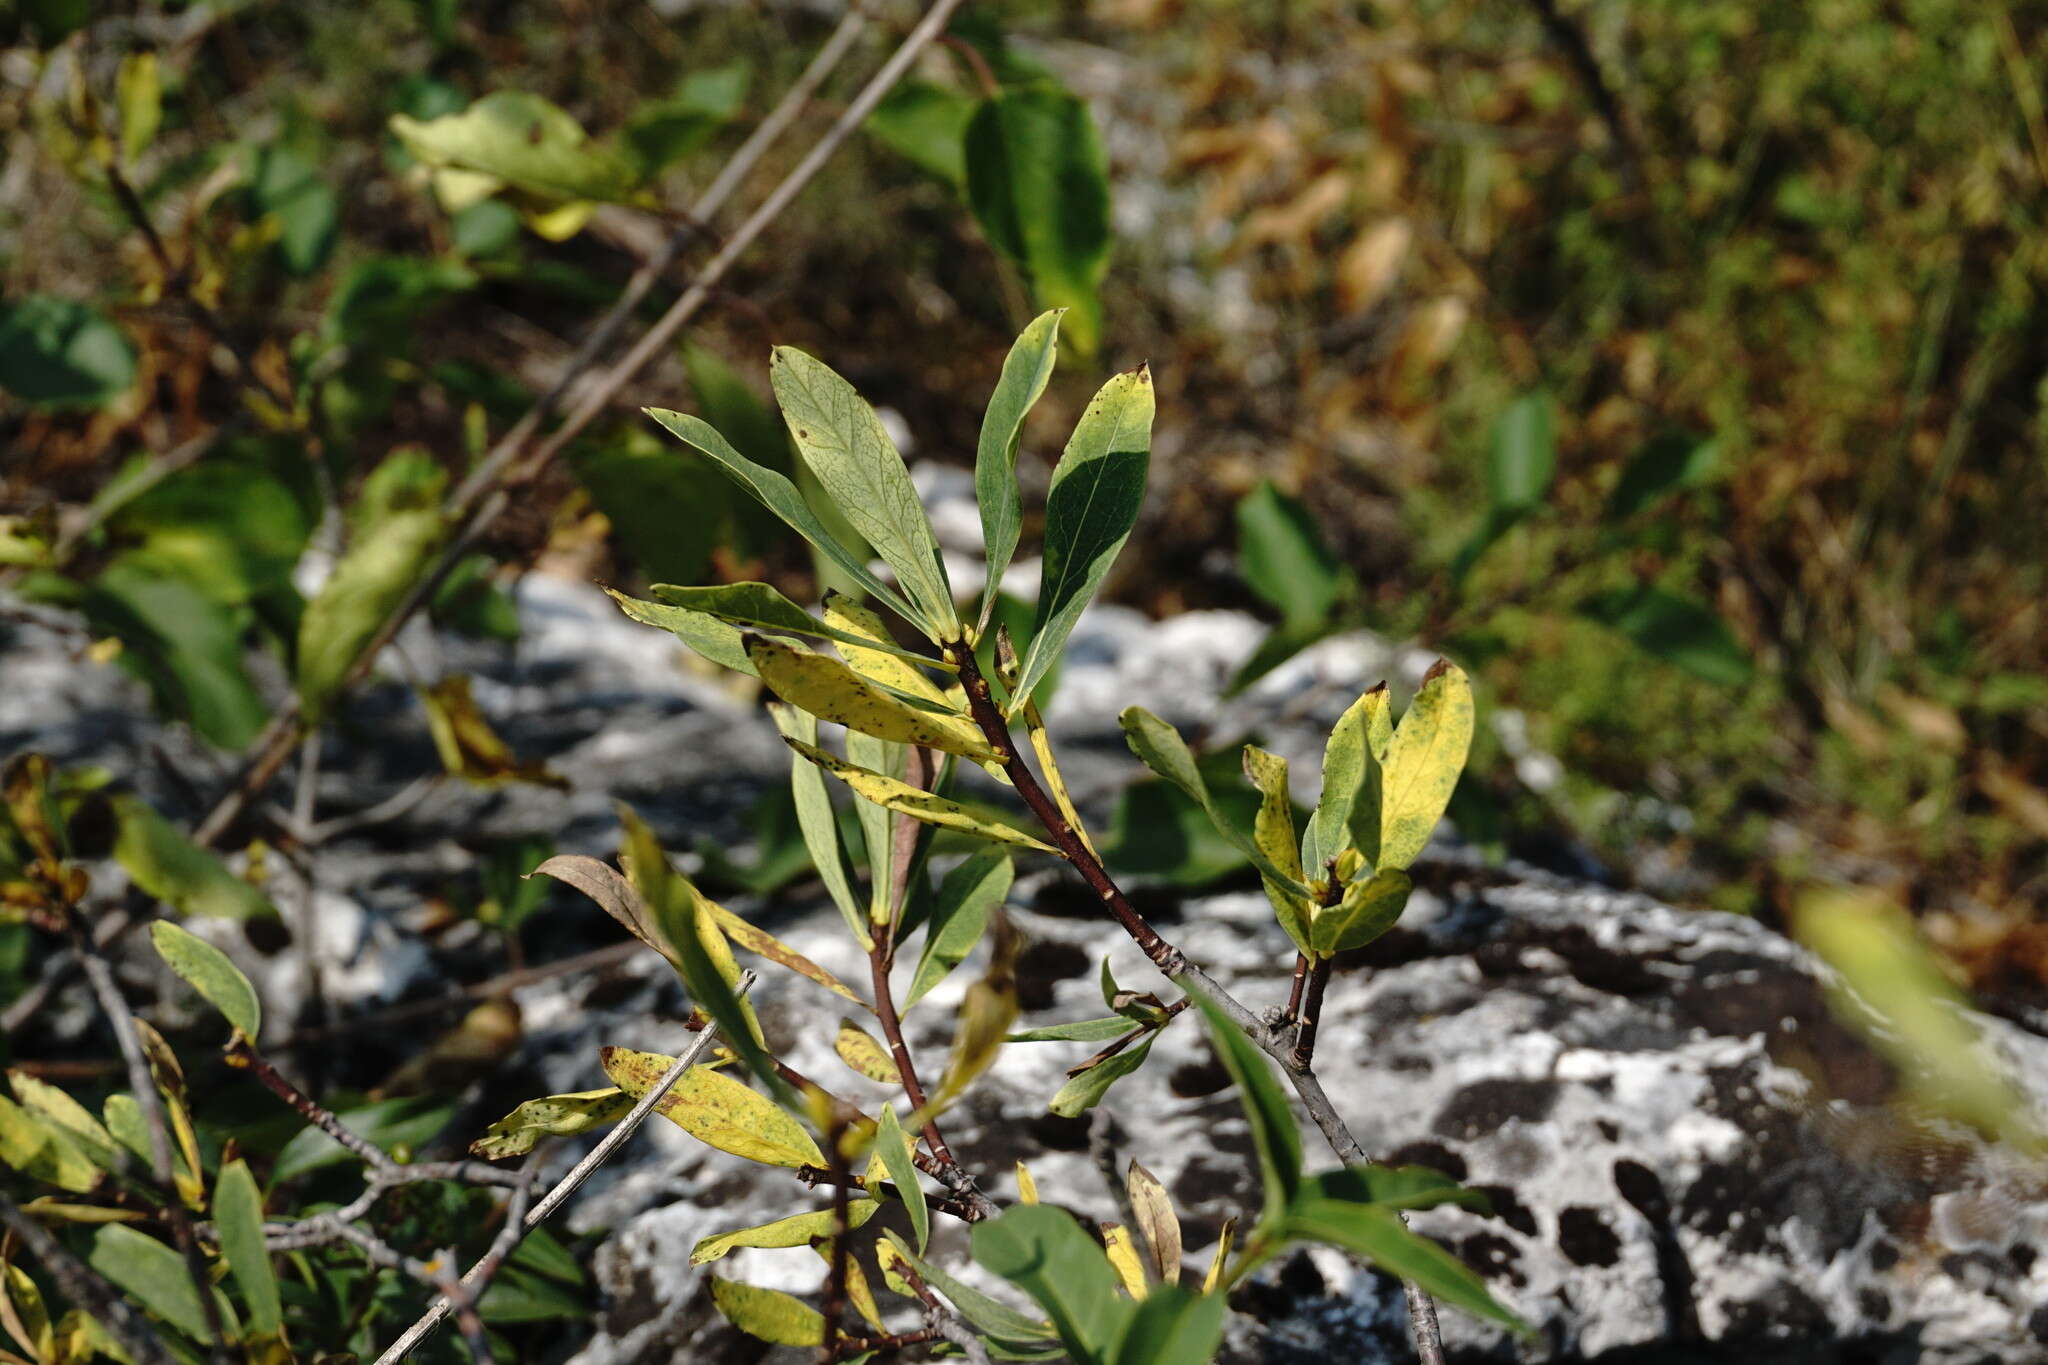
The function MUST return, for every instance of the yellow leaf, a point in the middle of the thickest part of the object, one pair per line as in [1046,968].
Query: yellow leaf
[857,1292]
[986,1014]
[1273,826]
[40,1149]
[1369,908]
[864,1054]
[469,747]
[768,1314]
[799,1230]
[1153,1210]
[829,690]
[893,1265]
[1423,763]
[1123,1258]
[1223,1241]
[764,944]
[561,1115]
[76,1121]
[905,799]
[1027,1186]
[716,1109]
[876,665]
[23,1314]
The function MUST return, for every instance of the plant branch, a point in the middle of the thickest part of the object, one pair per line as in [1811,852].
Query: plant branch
[1311,1012]
[947,1169]
[517,1228]
[479,500]
[1172,962]
[142,1080]
[842,1227]
[85,1287]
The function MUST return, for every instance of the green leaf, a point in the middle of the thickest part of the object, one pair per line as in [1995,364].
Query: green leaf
[762,607]
[517,1296]
[381,567]
[877,827]
[74,1119]
[662,132]
[1283,558]
[1097,489]
[1026,371]
[829,690]
[57,353]
[895,1150]
[289,188]
[1273,1128]
[1080,1031]
[1369,908]
[1424,759]
[669,507]
[1161,749]
[926,124]
[523,141]
[409,1121]
[170,867]
[1521,462]
[780,496]
[238,1216]
[45,1150]
[991,1315]
[1038,183]
[1676,630]
[1377,1234]
[794,1231]
[707,635]
[960,913]
[1044,1252]
[715,1109]
[559,1115]
[1394,1187]
[815,818]
[139,95]
[768,1314]
[1665,465]
[152,1274]
[916,803]
[843,443]
[212,974]
[1083,1092]
[1172,1327]
[1348,813]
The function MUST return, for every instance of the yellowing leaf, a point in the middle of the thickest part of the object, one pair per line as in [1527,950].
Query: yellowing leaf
[864,1054]
[1423,762]
[1157,1223]
[469,747]
[768,1314]
[210,973]
[76,1121]
[1370,907]
[985,1018]
[1273,826]
[1223,1240]
[795,1231]
[381,567]
[914,802]
[560,1115]
[885,665]
[716,1109]
[829,690]
[1027,1186]
[764,944]
[40,1149]
[524,141]
[1123,1258]
[1348,812]
[26,1318]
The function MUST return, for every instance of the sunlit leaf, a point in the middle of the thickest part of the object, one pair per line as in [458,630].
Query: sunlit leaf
[211,973]
[1122,1250]
[1348,812]
[1097,488]
[1083,1092]
[238,1215]
[768,1314]
[762,607]
[717,641]
[843,443]
[40,1149]
[1369,908]
[894,1148]
[77,1122]
[556,1115]
[795,1231]
[1080,1031]
[1161,749]
[1424,759]
[1044,1252]
[867,1057]
[916,803]
[523,141]
[775,492]
[1377,1234]
[1157,1222]
[716,1109]
[815,818]
[1172,1326]
[383,564]
[829,690]
[1026,371]
[864,641]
